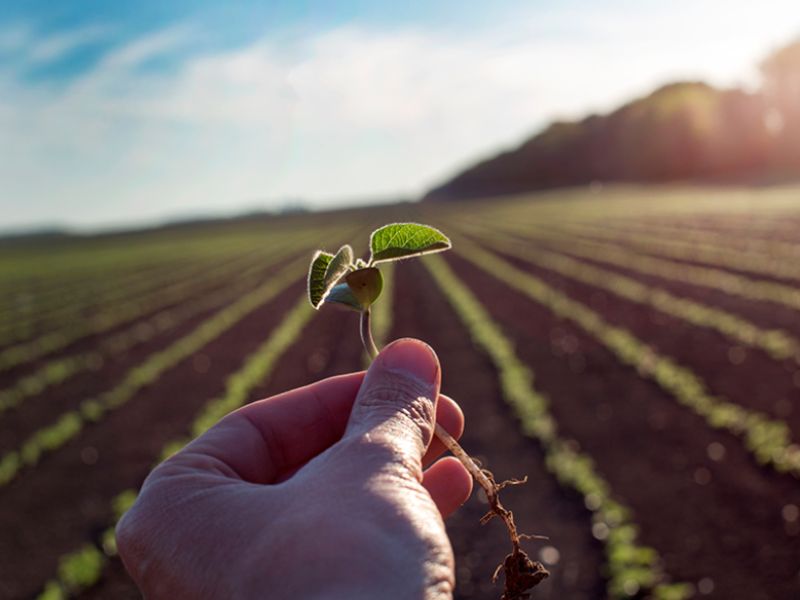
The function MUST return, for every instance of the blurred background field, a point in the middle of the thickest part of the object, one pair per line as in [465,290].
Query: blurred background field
[640,362]
[619,317]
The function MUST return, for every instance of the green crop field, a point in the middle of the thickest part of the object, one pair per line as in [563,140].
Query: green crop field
[635,351]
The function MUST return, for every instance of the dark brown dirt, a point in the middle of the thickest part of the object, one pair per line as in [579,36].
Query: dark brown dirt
[760,383]
[716,521]
[492,435]
[51,509]
[116,584]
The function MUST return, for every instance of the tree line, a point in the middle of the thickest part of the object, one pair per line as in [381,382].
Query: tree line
[685,131]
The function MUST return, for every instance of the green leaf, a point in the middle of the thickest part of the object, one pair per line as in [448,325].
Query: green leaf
[339,265]
[325,271]
[403,240]
[366,285]
[316,277]
[360,289]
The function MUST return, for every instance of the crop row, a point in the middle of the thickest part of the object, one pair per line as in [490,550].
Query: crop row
[778,344]
[61,369]
[633,569]
[42,295]
[70,325]
[89,258]
[35,302]
[764,210]
[139,290]
[24,324]
[127,311]
[674,248]
[767,439]
[739,240]
[70,285]
[778,232]
[727,282]
[69,424]
[212,259]
[115,282]
[83,567]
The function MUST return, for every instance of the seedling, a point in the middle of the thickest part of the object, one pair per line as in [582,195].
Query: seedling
[342,279]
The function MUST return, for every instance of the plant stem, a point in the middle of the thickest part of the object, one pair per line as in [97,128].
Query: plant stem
[366,335]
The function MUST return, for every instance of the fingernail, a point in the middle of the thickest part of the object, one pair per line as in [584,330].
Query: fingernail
[412,357]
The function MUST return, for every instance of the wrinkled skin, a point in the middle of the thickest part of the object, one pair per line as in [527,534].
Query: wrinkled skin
[316,493]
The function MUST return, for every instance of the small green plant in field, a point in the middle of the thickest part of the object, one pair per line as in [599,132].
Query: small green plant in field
[343,279]
[81,570]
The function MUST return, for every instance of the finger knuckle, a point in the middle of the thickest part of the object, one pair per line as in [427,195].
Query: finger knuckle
[397,395]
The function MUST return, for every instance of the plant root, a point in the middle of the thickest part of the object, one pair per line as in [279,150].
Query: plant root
[521,573]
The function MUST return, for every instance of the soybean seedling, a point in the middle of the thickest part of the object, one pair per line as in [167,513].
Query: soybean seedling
[342,279]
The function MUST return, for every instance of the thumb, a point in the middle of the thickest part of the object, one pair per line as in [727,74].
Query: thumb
[396,405]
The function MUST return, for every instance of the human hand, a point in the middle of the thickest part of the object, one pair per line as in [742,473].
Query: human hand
[315,493]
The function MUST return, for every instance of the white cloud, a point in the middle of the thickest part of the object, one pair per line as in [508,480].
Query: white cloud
[27,49]
[145,48]
[53,47]
[345,113]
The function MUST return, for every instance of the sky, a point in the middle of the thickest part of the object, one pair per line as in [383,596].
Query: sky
[128,113]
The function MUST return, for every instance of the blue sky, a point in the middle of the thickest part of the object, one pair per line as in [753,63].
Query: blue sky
[115,113]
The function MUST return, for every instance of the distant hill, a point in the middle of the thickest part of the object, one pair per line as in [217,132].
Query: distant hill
[682,131]
[32,237]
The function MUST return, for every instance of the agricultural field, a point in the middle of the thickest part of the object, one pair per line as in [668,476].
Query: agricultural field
[634,351]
